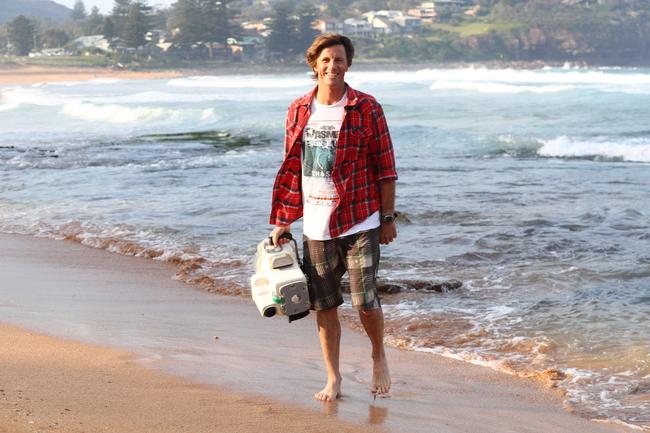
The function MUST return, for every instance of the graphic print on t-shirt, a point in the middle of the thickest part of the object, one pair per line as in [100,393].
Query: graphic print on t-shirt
[320,145]
[319,137]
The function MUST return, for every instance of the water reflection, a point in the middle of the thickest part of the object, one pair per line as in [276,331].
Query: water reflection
[376,414]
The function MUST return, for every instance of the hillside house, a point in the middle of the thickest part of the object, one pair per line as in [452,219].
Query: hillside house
[92,43]
[386,22]
[355,27]
[426,12]
[328,25]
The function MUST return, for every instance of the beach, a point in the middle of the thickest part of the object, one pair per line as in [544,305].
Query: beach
[57,377]
[24,75]
[135,203]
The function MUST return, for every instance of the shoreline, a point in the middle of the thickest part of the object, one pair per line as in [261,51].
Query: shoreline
[21,74]
[467,397]
[50,74]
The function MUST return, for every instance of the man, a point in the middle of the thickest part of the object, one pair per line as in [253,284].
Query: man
[339,174]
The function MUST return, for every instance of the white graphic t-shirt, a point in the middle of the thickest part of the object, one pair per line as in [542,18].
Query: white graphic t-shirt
[319,193]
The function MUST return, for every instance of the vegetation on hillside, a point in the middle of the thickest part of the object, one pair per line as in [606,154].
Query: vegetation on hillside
[47,10]
[589,31]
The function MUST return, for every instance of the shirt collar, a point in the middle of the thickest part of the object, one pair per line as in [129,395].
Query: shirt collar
[353,97]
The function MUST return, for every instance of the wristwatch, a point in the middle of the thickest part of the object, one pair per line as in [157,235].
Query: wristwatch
[388,218]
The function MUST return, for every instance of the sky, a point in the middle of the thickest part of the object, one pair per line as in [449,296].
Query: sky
[105,6]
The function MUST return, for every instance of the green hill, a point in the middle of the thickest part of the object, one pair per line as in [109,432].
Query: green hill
[44,9]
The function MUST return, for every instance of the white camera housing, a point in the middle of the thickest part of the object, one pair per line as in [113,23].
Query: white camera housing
[279,286]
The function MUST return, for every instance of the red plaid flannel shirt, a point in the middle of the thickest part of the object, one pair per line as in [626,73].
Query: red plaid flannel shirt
[364,157]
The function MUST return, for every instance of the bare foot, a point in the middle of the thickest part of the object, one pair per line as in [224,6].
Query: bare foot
[380,378]
[331,392]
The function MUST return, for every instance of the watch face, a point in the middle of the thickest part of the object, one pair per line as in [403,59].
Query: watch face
[388,218]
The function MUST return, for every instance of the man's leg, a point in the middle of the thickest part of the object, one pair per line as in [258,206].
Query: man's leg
[373,323]
[362,259]
[325,268]
[329,332]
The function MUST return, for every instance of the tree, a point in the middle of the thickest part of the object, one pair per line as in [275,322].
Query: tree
[216,21]
[336,8]
[486,6]
[136,25]
[94,23]
[305,32]
[282,36]
[4,38]
[54,38]
[121,9]
[187,22]
[158,19]
[108,29]
[79,11]
[21,35]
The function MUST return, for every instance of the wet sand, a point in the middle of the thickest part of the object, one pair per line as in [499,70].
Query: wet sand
[179,356]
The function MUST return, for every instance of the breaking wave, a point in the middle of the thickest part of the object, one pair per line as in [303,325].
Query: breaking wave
[633,150]
[93,81]
[484,80]
[116,113]
[493,87]
[8,106]
[15,97]
[242,82]
[527,76]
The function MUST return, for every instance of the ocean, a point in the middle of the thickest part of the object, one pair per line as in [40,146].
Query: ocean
[531,187]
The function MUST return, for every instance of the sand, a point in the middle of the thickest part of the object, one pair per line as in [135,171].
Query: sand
[32,74]
[164,370]
[22,75]
[53,385]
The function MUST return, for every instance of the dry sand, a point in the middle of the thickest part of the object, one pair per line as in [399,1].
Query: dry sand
[49,74]
[32,74]
[55,385]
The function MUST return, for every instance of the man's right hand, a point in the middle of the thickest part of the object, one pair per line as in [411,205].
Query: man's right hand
[277,232]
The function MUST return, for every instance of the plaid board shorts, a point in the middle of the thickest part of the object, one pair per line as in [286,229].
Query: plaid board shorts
[326,262]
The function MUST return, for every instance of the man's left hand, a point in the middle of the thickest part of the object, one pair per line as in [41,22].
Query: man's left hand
[387,232]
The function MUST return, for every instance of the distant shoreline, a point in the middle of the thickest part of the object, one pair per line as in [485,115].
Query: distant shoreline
[15,74]
[19,74]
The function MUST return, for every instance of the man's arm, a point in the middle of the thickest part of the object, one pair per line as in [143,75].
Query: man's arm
[280,229]
[387,230]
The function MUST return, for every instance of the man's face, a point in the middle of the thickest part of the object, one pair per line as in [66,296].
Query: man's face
[331,66]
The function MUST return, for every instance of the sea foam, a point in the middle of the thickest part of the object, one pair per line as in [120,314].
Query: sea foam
[31,96]
[527,76]
[113,113]
[635,150]
[492,87]
[9,106]
[93,81]
[241,82]
[484,80]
